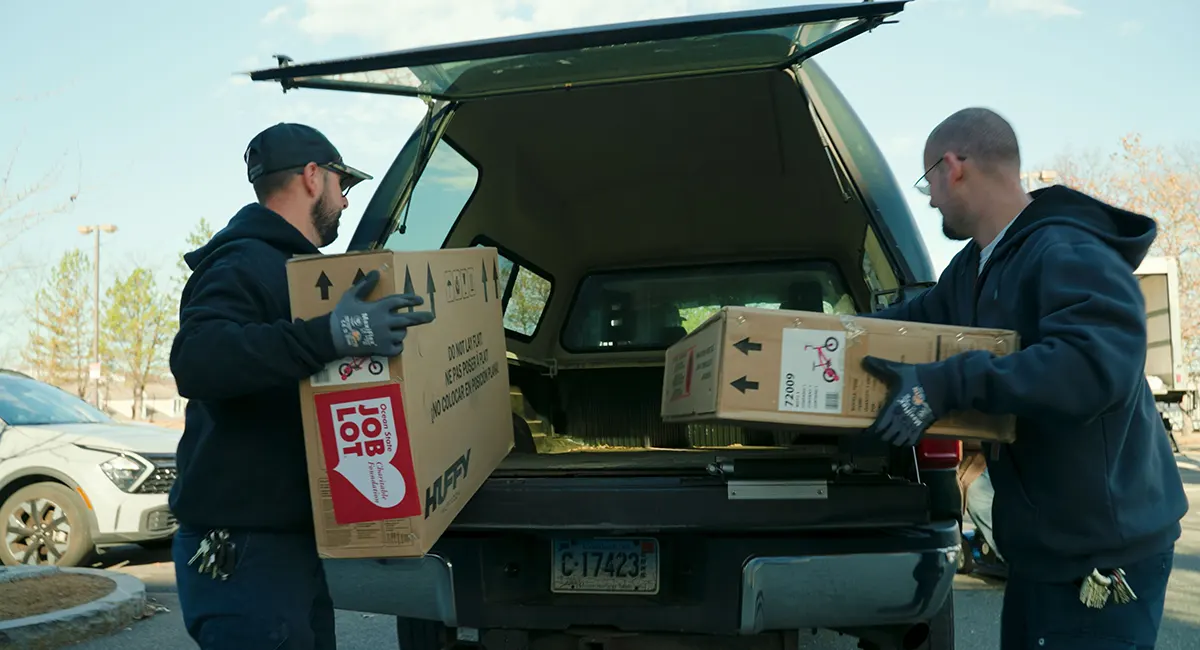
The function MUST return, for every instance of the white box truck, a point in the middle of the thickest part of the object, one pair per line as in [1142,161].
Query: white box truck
[1172,384]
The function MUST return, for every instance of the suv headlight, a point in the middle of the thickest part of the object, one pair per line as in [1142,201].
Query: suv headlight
[123,471]
[123,468]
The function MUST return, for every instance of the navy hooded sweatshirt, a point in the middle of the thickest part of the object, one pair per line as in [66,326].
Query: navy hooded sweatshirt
[1090,481]
[238,358]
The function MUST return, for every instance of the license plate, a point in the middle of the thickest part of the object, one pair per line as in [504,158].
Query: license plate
[604,566]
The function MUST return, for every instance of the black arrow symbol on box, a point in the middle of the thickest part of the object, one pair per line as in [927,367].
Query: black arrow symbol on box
[483,266]
[496,279]
[359,277]
[431,289]
[323,283]
[408,286]
[746,345]
[744,384]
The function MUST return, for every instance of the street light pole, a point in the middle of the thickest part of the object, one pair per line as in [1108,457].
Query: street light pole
[95,370]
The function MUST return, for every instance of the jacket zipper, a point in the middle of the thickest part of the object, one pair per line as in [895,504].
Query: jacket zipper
[976,288]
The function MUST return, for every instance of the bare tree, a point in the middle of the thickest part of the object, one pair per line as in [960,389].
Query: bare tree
[1161,183]
[26,200]
[24,205]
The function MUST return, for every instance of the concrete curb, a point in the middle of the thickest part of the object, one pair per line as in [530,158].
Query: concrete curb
[68,626]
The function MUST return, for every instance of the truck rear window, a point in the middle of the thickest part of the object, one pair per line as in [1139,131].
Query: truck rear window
[652,308]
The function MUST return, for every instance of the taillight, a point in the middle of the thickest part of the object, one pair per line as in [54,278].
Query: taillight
[935,453]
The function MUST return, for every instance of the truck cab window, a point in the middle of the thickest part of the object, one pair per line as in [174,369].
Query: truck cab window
[651,309]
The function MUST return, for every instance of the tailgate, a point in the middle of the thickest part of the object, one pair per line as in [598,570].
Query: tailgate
[703,491]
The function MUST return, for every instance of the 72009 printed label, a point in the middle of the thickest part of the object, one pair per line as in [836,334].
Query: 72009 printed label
[812,366]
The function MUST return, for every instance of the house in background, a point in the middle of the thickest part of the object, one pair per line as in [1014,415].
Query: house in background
[161,403]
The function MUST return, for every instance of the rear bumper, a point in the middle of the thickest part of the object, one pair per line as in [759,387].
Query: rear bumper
[710,584]
[845,591]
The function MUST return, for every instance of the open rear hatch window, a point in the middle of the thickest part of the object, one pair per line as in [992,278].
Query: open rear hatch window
[607,408]
[658,49]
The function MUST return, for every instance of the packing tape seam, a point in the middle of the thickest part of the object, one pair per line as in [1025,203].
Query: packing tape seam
[853,330]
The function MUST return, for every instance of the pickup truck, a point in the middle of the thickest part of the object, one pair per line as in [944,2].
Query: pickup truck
[635,178]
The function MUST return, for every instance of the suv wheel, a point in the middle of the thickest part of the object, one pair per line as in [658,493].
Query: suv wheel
[966,557]
[44,524]
[420,634]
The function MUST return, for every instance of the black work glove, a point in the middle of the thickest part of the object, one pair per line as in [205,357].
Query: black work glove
[910,409]
[362,328]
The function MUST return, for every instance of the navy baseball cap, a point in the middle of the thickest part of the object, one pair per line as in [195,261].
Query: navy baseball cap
[291,146]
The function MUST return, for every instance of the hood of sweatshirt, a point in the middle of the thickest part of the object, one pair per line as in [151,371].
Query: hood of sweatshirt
[254,221]
[1128,233]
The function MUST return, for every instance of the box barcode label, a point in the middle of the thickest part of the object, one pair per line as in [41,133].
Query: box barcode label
[811,369]
[351,370]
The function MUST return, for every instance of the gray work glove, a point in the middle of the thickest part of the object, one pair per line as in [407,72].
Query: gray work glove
[362,328]
[912,406]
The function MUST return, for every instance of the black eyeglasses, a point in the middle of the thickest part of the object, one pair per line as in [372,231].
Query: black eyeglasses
[922,183]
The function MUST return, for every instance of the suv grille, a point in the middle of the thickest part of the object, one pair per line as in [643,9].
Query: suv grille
[163,477]
[160,481]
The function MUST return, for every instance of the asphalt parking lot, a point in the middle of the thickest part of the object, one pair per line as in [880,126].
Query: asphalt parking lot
[977,601]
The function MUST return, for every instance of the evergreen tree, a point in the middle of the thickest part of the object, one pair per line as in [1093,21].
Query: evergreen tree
[60,340]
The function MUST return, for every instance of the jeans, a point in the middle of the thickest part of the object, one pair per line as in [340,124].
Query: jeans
[275,597]
[1049,616]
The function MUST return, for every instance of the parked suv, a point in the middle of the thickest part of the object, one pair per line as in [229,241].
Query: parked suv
[636,178]
[72,479]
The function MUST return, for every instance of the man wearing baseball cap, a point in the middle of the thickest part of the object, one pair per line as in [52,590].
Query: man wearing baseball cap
[245,555]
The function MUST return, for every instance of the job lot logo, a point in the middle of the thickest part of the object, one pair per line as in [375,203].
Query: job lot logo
[446,484]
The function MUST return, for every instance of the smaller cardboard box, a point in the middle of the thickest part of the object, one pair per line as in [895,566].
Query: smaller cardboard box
[397,446]
[795,369]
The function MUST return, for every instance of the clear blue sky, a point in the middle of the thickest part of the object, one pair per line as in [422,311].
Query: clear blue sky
[145,96]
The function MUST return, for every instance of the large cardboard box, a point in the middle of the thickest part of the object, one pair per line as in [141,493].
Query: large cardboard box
[803,370]
[397,446]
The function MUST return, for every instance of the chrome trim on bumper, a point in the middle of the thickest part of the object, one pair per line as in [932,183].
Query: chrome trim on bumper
[840,591]
[415,587]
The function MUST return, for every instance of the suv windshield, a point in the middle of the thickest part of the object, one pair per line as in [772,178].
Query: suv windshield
[652,308]
[25,401]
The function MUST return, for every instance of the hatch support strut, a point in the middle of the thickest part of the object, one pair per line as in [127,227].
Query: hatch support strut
[836,37]
[424,153]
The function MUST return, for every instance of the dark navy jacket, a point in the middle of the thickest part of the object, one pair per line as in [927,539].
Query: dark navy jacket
[238,358]
[1091,481]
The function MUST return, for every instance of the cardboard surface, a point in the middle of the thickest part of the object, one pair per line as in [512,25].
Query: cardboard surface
[397,446]
[804,370]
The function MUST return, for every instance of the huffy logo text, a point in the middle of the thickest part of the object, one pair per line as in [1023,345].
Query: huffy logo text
[445,485]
